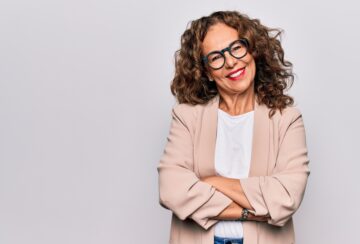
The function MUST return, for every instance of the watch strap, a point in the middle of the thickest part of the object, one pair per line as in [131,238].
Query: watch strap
[244,214]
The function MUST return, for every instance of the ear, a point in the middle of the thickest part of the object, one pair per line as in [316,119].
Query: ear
[209,76]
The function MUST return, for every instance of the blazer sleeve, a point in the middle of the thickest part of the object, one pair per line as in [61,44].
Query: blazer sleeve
[279,195]
[180,190]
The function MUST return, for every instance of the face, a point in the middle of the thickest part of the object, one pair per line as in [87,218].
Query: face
[237,75]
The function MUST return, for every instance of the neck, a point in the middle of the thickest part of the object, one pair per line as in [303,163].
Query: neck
[236,104]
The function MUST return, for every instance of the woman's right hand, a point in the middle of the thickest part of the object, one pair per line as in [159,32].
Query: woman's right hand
[257,218]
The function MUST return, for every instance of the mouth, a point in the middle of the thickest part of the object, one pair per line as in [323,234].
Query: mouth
[237,74]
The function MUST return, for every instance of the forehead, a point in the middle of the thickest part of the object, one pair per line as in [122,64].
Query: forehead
[218,37]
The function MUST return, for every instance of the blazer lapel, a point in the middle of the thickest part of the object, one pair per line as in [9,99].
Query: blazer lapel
[205,160]
[261,140]
[206,140]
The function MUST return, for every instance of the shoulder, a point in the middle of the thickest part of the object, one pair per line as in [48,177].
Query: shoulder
[184,110]
[286,117]
[290,113]
[186,114]
[286,113]
[289,121]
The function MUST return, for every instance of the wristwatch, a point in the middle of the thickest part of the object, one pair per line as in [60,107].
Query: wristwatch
[244,214]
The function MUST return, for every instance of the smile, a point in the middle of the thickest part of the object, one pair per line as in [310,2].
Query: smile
[237,74]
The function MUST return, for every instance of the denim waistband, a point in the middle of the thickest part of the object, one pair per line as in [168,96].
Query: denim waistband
[225,240]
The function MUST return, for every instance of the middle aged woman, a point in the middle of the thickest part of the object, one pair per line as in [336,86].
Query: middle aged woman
[235,166]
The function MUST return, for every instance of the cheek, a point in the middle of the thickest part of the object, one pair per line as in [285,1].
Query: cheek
[252,67]
[217,74]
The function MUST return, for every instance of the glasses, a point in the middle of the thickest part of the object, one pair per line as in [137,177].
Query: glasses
[237,49]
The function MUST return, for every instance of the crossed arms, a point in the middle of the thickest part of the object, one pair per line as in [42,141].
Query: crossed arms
[232,189]
[273,198]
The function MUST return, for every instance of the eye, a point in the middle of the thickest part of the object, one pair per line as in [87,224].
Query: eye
[237,47]
[216,57]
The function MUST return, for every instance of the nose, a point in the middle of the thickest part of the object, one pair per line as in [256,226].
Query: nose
[230,61]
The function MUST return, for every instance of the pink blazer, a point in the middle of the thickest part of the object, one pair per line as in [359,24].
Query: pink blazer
[275,186]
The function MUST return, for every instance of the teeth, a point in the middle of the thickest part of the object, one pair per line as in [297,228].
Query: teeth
[236,74]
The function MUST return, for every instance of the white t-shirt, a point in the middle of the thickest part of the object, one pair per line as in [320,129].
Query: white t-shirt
[232,158]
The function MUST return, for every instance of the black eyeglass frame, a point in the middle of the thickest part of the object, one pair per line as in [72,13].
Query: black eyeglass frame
[222,52]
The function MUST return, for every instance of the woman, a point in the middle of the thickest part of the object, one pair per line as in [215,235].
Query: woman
[235,166]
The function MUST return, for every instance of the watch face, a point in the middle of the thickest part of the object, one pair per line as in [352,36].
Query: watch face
[244,214]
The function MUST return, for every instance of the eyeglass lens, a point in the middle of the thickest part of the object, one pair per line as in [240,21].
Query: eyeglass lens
[217,59]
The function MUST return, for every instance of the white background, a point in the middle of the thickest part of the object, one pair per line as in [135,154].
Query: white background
[85,110]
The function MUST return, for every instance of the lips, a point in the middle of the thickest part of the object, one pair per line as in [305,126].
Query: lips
[235,71]
[236,74]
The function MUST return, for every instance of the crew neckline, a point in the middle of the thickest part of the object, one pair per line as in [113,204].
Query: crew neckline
[235,116]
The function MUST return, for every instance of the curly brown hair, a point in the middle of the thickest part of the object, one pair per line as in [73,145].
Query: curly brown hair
[273,74]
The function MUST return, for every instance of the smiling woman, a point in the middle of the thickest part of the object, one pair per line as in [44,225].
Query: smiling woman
[192,81]
[235,167]
[237,78]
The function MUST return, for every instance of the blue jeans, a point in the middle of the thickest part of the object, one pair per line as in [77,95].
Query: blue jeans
[223,240]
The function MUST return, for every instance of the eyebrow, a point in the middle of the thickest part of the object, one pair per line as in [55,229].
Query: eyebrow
[222,48]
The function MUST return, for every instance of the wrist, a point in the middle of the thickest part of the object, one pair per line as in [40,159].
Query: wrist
[244,214]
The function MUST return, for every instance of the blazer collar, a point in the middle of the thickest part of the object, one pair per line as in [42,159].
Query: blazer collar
[207,140]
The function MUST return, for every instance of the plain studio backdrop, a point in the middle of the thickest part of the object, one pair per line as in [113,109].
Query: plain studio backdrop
[85,109]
